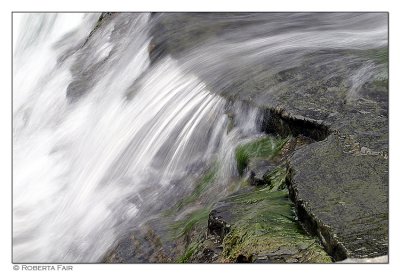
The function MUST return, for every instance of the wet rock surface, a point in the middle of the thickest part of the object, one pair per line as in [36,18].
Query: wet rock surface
[334,100]
[258,169]
[258,225]
[343,200]
[140,246]
[219,222]
[337,97]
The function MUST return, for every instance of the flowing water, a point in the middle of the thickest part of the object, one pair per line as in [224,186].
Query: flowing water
[79,167]
[100,134]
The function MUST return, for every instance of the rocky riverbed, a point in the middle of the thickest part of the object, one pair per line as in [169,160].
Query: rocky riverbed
[202,138]
[336,183]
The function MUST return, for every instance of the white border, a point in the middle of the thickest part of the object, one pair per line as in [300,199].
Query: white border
[201,5]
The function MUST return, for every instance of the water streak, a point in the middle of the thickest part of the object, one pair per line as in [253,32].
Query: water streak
[81,166]
[102,136]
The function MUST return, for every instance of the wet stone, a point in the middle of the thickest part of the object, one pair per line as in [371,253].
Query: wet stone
[258,169]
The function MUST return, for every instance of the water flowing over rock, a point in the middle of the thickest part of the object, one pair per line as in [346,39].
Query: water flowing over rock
[143,137]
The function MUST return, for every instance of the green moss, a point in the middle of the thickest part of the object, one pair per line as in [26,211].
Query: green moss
[265,147]
[266,225]
[260,194]
[184,227]
[189,252]
[200,188]
[242,159]
[277,178]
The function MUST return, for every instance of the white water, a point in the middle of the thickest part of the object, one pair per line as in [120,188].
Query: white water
[101,137]
[79,167]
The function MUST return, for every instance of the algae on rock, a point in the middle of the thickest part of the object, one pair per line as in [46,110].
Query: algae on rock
[256,224]
[265,230]
[266,147]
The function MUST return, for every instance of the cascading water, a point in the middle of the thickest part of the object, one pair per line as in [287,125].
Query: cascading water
[80,166]
[105,137]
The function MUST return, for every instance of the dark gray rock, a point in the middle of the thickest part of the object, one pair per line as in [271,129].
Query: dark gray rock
[258,168]
[342,198]
[139,246]
[336,96]
[219,222]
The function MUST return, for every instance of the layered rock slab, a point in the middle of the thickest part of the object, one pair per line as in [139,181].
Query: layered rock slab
[342,198]
[336,96]
[258,225]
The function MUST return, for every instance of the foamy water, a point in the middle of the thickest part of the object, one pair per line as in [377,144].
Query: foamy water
[96,126]
[78,166]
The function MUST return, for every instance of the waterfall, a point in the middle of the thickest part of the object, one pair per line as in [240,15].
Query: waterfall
[80,165]
[104,136]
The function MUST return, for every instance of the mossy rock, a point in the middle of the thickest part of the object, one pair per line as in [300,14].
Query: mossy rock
[264,148]
[263,228]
